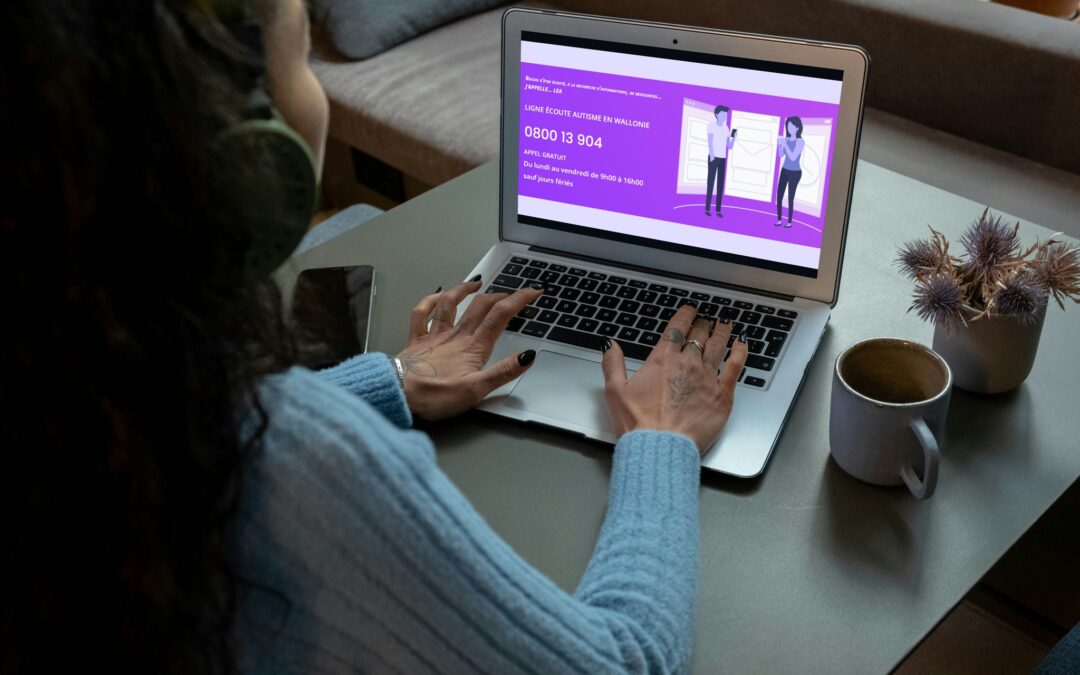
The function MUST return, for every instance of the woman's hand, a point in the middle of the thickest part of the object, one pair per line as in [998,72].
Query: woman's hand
[681,387]
[444,364]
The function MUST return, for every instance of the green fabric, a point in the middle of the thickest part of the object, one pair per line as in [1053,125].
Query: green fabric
[361,29]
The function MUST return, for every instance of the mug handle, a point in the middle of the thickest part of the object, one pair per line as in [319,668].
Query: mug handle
[925,487]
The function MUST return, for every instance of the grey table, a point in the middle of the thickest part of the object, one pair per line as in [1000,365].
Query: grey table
[803,569]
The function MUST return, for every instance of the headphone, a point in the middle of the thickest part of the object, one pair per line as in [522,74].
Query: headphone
[261,168]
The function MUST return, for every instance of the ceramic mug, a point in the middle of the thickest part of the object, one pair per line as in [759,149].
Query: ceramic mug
[889,402]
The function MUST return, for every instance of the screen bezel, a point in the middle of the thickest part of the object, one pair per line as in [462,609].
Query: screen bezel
[853,61]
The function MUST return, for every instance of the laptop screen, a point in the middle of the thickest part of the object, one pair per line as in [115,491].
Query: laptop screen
[715,156]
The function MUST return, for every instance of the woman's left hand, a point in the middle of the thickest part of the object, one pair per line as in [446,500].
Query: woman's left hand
[444,363]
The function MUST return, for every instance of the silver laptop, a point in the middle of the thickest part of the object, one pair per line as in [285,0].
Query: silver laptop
[645,166]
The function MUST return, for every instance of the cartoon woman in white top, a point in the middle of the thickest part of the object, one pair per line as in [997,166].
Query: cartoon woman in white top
[790,147]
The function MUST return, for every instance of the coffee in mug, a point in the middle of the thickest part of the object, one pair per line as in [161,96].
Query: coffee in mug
[890,398]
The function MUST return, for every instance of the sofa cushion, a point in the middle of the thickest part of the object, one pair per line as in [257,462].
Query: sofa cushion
[360,29]
[429,107]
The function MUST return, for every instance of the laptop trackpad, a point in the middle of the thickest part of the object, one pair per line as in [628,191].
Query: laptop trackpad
[563,388]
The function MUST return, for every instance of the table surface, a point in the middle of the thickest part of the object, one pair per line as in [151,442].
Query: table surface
[803,569]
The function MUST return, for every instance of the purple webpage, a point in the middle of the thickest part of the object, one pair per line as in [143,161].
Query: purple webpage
[717,156]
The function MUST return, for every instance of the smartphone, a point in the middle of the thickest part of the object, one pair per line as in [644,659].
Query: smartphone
[329,315]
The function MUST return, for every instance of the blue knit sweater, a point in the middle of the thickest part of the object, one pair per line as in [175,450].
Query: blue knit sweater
[359,555]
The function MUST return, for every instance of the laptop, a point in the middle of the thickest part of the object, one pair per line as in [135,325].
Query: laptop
[641,165]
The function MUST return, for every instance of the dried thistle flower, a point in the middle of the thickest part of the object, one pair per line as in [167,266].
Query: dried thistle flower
[1018,295]
[925,257]
[992,247]
[1057,269]
[939,298]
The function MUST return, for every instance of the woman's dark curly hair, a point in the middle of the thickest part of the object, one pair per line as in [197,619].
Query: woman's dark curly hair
[132,344]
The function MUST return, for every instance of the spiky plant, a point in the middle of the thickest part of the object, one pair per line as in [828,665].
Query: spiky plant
[996,278]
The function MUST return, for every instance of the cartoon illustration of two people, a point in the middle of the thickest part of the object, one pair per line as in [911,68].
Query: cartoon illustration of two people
[789,148]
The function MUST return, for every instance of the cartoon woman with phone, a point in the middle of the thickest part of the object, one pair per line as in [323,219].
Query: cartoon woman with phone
[790,148]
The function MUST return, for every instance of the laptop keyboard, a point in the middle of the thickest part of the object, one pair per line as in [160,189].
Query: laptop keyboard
[582,306]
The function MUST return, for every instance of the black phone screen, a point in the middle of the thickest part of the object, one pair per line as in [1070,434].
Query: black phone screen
[329,318]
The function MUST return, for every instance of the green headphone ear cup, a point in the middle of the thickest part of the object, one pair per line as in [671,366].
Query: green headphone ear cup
[264,172]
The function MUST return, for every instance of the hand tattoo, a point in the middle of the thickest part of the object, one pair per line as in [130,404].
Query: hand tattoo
[440,316]
[676,336]
[680,386]
[418,364]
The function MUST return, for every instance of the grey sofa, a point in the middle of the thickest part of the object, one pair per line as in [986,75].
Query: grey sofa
[997,75]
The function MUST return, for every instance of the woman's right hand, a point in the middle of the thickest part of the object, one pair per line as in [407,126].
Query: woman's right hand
[680,388]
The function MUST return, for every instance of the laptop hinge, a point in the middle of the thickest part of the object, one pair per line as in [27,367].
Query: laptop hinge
[674,275]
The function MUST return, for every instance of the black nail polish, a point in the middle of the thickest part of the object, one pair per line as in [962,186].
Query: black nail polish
[536,286]
[439,289]
[526,357]
[742,336]
[725,321]
[606,345]
[476,278]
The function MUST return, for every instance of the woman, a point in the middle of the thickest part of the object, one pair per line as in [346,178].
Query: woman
[178,498]
[790,148]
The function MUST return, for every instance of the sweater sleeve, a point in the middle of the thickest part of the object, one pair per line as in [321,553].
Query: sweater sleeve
[379,563]
[373,378]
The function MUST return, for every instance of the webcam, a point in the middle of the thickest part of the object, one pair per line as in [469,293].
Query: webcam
[675,41]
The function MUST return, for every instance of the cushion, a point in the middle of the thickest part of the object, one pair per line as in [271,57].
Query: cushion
[360,29]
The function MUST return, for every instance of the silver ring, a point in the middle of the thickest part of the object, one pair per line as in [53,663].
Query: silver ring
[695,343]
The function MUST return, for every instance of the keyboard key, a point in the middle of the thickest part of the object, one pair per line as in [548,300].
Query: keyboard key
[666,314]
[721,300]
[630,334]
[498,289]
[518,260]
[599,276]
[742,304]
[548,316]
[687,301]
[765,309]
[645,323]
[538,263]
[629,306]
[755,346]
[667,300]
[729,313]
[530,273]
[651,339]
[788,314]
[626,319]
[568,280]
[646,296]
[754,381]
[566,307]
[617,280]
[750,317]
[777,322]
[755,332]
[679,292]
[568,320]
[534,329]
[759,362]
[588,325]
[773,348]
[610,302]
[508,281]
[607,289]
[546,302]
[515,324]
[649,310]
[636,283]
[608,329]
[589,298]
[626,292]
[557,268]
[697,295]
[528,313]
[659,288]
[578,272]
[586,311]
[588,284]
[776,336]
[708,309]
[512,269]
[550,277]
[551,289]
[570,294]
[606,315]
